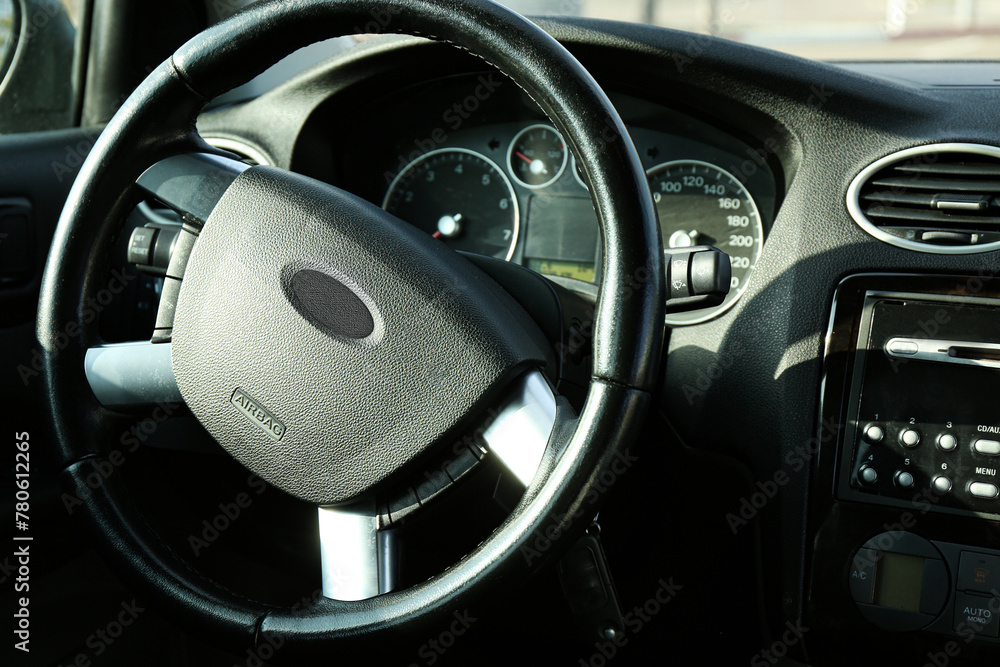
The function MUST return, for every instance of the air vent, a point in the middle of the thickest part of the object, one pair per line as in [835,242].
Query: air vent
[248,153]
[941,198]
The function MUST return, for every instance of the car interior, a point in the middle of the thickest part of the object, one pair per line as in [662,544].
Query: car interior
[419,332]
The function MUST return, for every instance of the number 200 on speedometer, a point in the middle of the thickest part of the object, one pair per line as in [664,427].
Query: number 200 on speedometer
[701,204]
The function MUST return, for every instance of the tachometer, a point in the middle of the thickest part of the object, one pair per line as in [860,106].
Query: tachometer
[702,204]
[460,197]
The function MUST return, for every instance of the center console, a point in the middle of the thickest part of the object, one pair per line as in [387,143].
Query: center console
[905,562]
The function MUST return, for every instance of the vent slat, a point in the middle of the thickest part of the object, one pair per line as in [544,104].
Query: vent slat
[989,187]
[952,169]
[890,197]
[940,219]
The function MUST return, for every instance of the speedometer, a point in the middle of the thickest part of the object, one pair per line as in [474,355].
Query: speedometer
[460,197]
[701,204]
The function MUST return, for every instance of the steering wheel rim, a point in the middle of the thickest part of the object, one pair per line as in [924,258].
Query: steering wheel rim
[157,121]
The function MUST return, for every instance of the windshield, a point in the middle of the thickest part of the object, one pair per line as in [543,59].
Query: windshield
[6,30]
[818,29]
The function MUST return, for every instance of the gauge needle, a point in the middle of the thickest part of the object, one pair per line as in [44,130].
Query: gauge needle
[535,166]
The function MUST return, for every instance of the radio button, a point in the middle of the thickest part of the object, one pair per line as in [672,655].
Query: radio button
[868,475]
[947,442]
[984,490]
[988,447]
[909,438]
[874,434]
[904,479]
[941,484]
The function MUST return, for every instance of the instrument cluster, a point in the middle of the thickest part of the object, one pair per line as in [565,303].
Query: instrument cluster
[499,180]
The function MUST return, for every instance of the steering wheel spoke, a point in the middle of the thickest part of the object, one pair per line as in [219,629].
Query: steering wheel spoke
[359,549]
[132,373]
[514,432]
[141,372]
[523,425]
[191,183]
[359,559]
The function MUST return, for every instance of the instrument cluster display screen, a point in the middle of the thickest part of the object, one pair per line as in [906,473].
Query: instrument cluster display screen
[562,237]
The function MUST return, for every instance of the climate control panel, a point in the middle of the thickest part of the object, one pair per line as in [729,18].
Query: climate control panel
[902,582]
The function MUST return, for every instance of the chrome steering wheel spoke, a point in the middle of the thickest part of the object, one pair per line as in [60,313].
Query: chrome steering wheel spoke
[359,559]
[360,554]
[523,425]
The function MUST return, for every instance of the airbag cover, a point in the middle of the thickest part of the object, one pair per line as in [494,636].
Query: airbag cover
[325,343]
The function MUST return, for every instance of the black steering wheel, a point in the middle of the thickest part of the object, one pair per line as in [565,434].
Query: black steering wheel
[330,347]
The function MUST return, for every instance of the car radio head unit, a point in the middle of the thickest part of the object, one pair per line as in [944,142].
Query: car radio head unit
[923,422]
